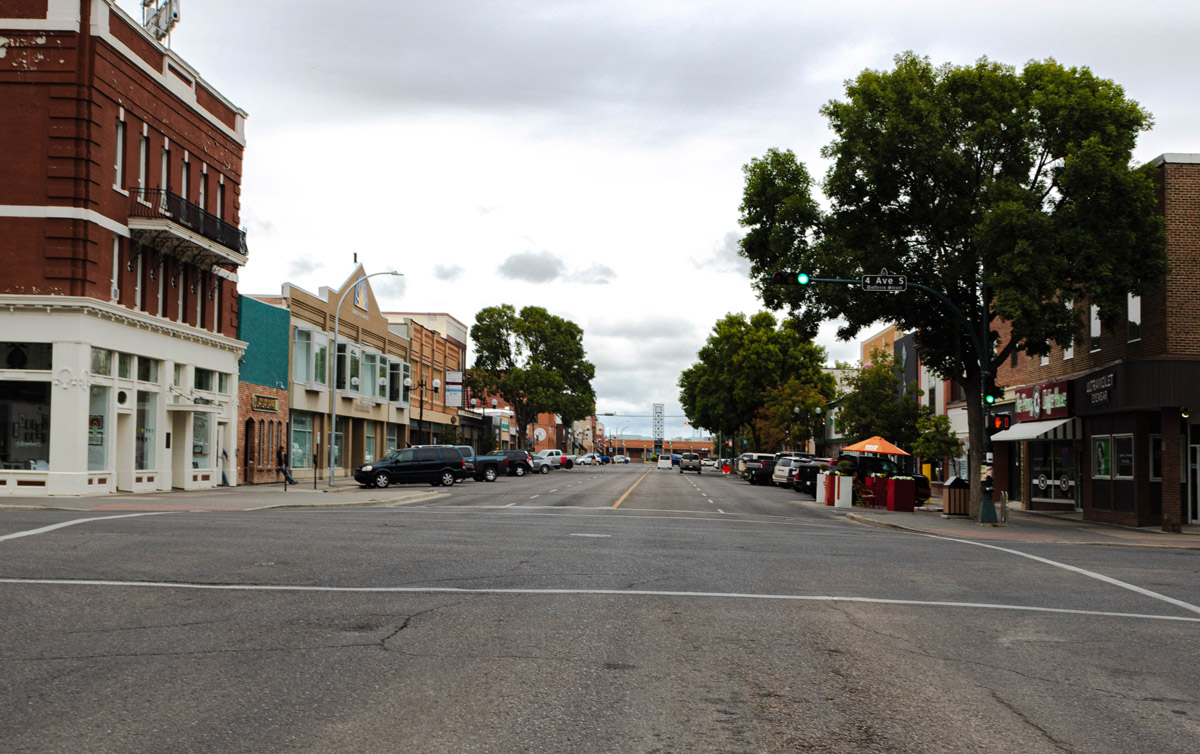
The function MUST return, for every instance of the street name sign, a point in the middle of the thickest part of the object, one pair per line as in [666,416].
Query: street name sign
[885,282]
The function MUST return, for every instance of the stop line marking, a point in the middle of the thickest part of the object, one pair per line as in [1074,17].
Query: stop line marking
[585,592]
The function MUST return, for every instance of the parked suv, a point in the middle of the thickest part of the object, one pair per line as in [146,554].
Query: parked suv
[436,464]
[689,462]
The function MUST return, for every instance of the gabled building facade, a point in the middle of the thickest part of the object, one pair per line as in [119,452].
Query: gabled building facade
[348,368]
[120,244]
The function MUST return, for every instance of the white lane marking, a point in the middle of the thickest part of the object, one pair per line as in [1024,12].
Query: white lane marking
[554,490]
[591,535]
[1076,569]
[52,527]
[582,592]
[531,498]
[721,511]
[509,505]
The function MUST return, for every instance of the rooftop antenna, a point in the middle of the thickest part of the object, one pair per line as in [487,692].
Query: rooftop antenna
[159,17]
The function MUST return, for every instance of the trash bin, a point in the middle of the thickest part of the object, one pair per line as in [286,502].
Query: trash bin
[956,497]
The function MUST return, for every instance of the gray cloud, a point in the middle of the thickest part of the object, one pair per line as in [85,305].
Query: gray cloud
[392,287]
[725,257]
[533,267]
[597,274]
[447,272]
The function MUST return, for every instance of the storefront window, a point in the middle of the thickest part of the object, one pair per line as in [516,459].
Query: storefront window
[302,436]
[369,443]
[147,414]
[337,442]
[392,434]
[124,366]
[101,362]
[1123,461]
[99,426]
[25,421]
[1102,457]
[201,441]
[36,356]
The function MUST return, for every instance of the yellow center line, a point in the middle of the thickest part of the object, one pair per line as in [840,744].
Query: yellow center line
[635,484]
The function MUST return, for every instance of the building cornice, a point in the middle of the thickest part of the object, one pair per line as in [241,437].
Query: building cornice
[104,310]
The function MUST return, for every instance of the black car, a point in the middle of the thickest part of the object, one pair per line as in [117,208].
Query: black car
[436,464]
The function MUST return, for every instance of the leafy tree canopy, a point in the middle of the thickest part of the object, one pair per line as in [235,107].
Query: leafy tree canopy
[870,406]
[789,415]
[535,361]
[1010,192]
[936,439]
[740,363]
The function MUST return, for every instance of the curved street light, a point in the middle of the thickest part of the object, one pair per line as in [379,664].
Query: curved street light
[332,365]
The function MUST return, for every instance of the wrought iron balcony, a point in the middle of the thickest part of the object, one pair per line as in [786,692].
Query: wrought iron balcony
[166,220]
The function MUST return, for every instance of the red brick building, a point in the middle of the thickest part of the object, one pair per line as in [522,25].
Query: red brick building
[120,245]
[1108,423]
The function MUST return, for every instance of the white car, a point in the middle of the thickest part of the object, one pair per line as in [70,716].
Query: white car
[620,459]
[707,462]
[664,461]
[590,459]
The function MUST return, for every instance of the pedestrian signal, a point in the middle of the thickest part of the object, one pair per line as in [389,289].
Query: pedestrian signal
[998,423]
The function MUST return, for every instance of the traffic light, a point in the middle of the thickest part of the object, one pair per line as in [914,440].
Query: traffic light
[790,278]
[998,423]
[990,393]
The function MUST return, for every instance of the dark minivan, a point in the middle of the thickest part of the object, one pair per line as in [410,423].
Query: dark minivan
[436,464]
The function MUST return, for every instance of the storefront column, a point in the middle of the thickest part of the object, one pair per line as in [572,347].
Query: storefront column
[1172,491]
[69,409]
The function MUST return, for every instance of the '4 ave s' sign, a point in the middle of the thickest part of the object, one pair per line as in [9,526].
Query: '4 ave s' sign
[885,282]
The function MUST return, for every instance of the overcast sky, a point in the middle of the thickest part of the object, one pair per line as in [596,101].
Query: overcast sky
[585,156]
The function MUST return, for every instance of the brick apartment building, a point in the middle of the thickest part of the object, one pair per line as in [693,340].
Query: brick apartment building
[1108,424]
[120,244]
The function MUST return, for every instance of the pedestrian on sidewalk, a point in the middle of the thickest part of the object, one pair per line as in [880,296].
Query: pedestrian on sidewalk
[282,460]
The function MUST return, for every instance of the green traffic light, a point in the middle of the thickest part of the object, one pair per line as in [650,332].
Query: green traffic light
[802,278]
[989,399]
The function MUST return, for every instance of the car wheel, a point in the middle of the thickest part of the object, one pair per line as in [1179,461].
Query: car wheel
[568,464]
[489,474]
[382,480]
[447,478]
[545,470]
[680,470]
[520,470]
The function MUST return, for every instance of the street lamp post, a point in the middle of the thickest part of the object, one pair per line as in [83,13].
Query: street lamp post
[499,424]
[332,365]
[437,384]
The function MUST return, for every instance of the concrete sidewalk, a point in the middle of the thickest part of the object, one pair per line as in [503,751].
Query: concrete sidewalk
[1024,526]
[345,494]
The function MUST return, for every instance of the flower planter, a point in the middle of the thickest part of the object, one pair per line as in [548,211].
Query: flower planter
[901,494]
[880,487]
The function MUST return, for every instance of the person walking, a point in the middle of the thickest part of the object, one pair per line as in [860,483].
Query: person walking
[282,460]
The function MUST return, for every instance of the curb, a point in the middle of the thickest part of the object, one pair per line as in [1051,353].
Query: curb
[418,497]
[867,521]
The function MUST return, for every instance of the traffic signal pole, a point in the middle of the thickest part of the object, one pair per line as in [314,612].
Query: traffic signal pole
[886,283]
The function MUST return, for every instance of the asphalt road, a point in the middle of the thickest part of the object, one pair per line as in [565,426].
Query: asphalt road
[619,609]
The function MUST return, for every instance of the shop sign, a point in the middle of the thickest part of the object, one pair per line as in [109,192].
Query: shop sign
[1045,401]
[1099,389]
[264,403]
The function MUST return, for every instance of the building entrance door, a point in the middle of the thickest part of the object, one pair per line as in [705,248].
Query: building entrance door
[1193,486]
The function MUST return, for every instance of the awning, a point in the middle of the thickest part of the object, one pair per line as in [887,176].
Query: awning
[1030,430]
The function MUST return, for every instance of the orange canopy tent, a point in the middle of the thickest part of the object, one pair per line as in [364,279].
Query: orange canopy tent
[875,445]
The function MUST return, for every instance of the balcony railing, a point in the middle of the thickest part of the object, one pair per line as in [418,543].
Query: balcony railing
[160,204]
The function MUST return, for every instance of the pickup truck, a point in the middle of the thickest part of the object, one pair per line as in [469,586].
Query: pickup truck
[502,462]
[862,466]
[689,462]
[557,459]
[758,468]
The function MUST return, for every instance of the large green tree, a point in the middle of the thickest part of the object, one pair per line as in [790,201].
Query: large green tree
[740,363]
[876,403]
[533,360]
[1009,191]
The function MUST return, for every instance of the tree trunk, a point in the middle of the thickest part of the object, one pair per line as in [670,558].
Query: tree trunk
[973,390]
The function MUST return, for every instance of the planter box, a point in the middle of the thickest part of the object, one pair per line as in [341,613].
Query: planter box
[879,488]
[901,494]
